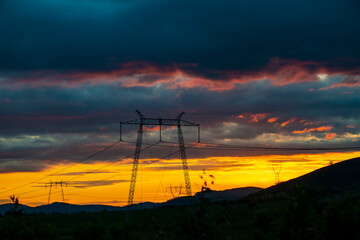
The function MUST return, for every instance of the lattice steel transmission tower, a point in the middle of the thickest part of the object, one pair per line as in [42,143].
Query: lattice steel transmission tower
[143,121]
[175,191]
[277,169]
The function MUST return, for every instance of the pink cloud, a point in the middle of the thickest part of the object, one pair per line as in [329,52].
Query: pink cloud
[348,81]
[146,74]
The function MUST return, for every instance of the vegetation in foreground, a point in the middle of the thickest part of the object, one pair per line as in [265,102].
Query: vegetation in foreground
[299,216]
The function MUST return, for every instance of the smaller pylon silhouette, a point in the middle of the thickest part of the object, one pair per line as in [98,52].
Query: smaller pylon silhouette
[175,191]
[277,169]
[55,184]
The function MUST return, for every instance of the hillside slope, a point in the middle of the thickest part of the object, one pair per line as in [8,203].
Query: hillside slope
[214,196]
[342,178]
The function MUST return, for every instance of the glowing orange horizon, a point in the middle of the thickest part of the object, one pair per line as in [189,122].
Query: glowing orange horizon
[154,178]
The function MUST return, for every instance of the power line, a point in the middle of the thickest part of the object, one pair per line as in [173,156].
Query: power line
[118,174]
[230,146]
[23,193]
[63,169]
[75,164]
[219,146]
[160,178]
[111,163]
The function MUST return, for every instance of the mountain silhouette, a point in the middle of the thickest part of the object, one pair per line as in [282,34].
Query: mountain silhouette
[340,178]
[57,207]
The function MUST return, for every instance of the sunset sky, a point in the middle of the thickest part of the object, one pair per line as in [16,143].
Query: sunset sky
[280,76]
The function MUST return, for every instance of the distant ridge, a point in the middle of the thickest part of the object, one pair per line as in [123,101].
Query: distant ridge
[57,207]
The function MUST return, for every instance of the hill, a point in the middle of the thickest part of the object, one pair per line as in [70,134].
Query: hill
[214,196]
[340,178]
[58,207]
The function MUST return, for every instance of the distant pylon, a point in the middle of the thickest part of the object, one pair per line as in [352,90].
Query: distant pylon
[55,184]
[277,169]
[175,191]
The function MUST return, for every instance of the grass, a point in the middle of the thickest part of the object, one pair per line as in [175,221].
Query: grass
[300,215]
[204,221]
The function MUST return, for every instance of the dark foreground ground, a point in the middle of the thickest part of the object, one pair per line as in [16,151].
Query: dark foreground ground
[301,215]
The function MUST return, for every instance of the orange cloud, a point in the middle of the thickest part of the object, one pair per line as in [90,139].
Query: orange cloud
[330,135]
[318,129]
[253,117]
[288,121]
[323,128]
[300,131]
[285,123]
[273,119]
[258,116]
[156,128]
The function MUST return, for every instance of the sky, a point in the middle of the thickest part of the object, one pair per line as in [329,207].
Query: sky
[278,74]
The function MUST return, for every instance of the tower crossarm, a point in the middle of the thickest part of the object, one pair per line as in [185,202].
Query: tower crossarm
[160,121]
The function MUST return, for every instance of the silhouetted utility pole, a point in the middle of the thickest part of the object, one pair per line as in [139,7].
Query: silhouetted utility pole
[55,184]
[143,121]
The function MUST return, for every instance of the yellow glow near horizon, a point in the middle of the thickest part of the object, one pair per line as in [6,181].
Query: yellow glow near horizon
[153,179]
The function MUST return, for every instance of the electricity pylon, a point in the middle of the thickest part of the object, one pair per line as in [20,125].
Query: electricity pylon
[143,121]
[175,191]
[277,169]
[55,184]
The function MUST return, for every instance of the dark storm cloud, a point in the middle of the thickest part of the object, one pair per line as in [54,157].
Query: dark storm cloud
[213,39]
[21,165]
[70,70]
